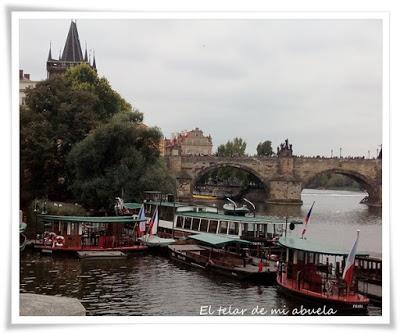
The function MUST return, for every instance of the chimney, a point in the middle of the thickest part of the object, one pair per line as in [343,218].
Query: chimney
[21,74]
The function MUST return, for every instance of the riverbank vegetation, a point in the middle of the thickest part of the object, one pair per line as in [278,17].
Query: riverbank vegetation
[64,123]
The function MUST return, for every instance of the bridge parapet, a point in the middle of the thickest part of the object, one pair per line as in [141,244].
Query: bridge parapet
[283,177]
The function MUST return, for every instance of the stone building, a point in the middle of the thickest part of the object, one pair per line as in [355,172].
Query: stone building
[72,54]
[24,83]
[188,143]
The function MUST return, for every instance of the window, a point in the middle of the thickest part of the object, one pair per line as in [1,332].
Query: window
[179,222]
[233,228]
[204,225]
[195,225]
[187,223]
[213,226]
[223,226]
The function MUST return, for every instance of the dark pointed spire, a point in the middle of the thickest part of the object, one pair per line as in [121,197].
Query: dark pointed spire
[72,49]
[94,61]
[86,57]
[49,56]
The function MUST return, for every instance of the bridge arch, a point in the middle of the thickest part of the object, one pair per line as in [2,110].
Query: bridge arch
[198,174]
[367,183]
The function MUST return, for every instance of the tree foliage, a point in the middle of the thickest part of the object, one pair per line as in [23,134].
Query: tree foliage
[59,113]
[234,148]
[265,149]
[121,155]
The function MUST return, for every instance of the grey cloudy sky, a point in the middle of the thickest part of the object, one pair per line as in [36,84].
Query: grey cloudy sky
[316,82]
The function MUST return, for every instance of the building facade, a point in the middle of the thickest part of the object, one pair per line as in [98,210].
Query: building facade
[72,55]
[24,83]
[192,142]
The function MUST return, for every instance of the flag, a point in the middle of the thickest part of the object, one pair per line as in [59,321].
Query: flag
[306,220]
[348,269]
[153,223]
[142,217]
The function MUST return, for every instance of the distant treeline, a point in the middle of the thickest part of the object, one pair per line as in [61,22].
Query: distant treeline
[334,181]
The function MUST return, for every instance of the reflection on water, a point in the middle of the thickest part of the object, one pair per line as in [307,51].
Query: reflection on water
[151,285]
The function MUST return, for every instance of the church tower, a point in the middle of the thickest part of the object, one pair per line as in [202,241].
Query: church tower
[71,56]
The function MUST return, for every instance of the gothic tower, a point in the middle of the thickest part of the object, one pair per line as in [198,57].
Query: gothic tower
[72,54]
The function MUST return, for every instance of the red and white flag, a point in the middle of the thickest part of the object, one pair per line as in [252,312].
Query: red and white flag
[306,220]
[348,269]
[153,223]
[142,218]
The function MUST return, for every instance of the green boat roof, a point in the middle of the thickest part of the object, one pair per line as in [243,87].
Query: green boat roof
[132,205]
[221,216]
[314,247]
[216,240]
[165,203]
[88,219]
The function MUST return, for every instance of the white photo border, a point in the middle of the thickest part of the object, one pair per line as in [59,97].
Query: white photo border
[20,15]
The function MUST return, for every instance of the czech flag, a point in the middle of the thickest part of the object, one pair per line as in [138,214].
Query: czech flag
[348,269]
[153,223]
[306,220]
[142,217]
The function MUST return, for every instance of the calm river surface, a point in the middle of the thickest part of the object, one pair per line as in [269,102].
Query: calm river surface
[153,285]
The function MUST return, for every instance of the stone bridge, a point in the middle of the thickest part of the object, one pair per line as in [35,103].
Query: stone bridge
[283,177]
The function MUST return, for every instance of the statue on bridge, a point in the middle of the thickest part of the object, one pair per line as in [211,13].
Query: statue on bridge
[285,149]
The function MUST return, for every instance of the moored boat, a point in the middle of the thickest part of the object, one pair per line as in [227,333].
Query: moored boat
[315,273]
[70,234]
[211,253]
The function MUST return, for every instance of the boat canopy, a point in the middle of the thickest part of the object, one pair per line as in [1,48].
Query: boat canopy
[242,219]
[88,219]
[313,247]
[217,240]
[164,203]
[133,205]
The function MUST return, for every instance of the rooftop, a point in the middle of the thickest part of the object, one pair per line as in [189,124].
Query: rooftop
[314,247]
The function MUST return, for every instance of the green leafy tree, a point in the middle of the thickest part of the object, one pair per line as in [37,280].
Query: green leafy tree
[234,148]
[60,112]
[265,149]
[120,155]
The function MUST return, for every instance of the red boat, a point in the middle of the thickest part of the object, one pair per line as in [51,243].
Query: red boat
[72,234]
[314,273]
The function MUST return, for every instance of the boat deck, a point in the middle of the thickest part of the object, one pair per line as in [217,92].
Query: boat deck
[92,248]
[101,255]
[304,288]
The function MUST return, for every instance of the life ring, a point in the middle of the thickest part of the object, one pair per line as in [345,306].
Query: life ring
[59,241]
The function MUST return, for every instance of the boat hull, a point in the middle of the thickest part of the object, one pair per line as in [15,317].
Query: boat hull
[236,273]
[341,305]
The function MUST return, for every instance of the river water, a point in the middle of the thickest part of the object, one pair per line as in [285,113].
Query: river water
[153,285]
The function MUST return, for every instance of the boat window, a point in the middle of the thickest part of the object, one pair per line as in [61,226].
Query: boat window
[204,225]
[300,256]
[188,221]
[147,209]
[233,228]
[195,225]
[213,226]
[167,213]
[179,222]
[223,227]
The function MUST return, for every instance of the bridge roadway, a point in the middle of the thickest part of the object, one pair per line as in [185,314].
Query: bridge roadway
[283,177]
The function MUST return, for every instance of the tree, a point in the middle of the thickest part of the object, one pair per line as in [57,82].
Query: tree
[236,147]
[60,112]
[265,149]
[120,155]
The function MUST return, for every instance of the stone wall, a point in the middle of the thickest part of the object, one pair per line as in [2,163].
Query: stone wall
[283,177]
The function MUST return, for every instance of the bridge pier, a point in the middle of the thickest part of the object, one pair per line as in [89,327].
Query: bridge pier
[284,192]
[184,188]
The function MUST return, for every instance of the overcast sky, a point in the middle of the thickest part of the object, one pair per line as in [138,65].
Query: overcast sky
[316,82]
